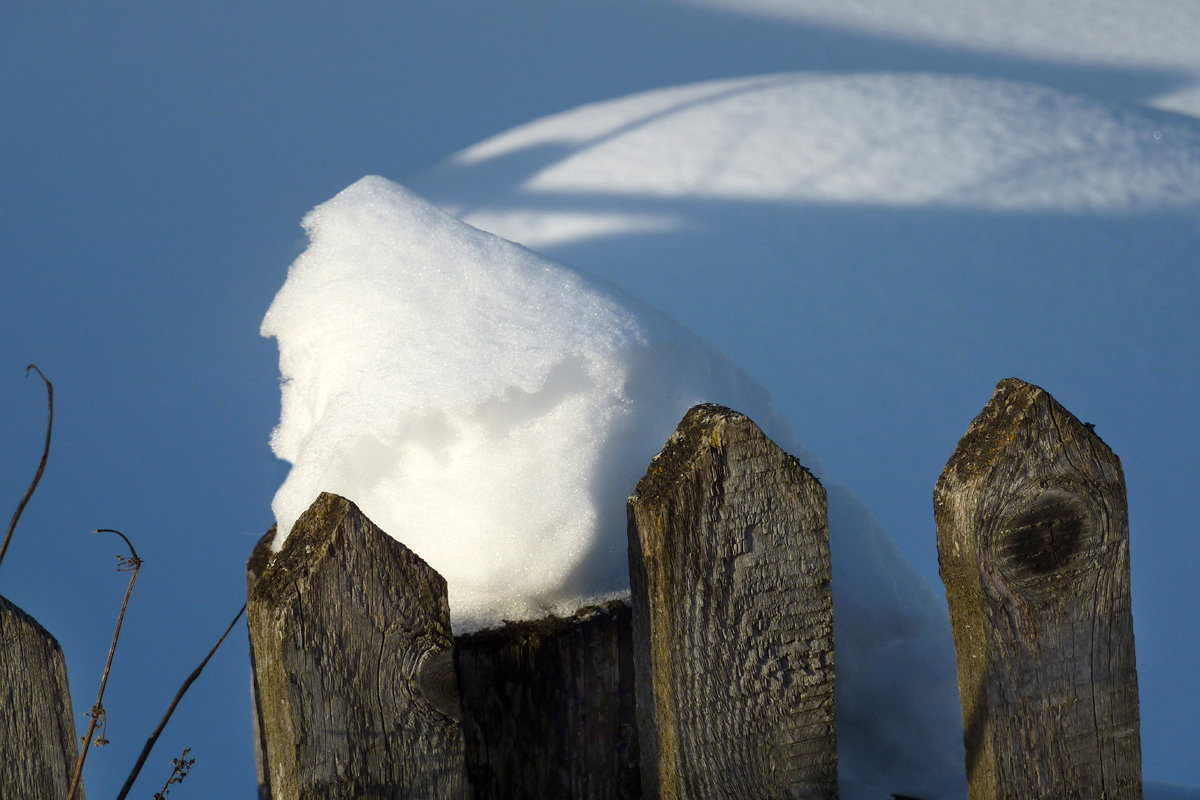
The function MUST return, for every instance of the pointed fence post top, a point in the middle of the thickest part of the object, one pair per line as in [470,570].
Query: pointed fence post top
[319,536]
[1020,415]
[704,428]
[1036,488]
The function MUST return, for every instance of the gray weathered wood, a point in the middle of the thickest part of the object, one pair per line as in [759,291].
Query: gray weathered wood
[548,708]
[255,565]
[38,747]
[732,617]
[353,658]
[1033,543]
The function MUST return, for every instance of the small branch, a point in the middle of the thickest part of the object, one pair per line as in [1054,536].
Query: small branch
[137,768]
[131,564]
[181,767]
[12,526]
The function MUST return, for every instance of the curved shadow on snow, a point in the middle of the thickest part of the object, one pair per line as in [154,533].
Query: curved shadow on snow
[631,48]
[394,89]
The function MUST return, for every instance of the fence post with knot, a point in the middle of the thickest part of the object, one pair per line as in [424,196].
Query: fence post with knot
[1033,546]
[354,665]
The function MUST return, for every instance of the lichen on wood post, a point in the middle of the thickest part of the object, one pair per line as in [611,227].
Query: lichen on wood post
[352,655]
[548,708]
[1033,546]
[732,617]
[38,747]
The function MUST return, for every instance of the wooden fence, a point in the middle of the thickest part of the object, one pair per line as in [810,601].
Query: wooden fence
[716,680]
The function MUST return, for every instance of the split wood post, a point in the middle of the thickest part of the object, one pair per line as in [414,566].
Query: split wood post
[38,748]
[548,708]
[353,661]
[1033,544]
[732,617]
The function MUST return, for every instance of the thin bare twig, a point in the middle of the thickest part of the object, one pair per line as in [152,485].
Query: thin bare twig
[137,768]
[182,766]
[131,564]
[12,526]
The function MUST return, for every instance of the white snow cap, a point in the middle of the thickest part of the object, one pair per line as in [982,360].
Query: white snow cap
[489,409]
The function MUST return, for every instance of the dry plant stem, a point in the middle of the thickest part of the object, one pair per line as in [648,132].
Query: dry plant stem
[98,709]
[12,526]
[183,765]
[137,768]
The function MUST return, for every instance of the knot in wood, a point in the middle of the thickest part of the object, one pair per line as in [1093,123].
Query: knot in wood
[437,684]
[1043,538]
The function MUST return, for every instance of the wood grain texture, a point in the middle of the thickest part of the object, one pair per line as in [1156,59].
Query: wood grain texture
[1033,546]
[352,654]
[255,565]
[732,617]
[38,748]
[548,708]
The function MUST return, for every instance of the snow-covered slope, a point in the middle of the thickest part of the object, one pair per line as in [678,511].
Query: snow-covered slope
[894,140]
[1155,36]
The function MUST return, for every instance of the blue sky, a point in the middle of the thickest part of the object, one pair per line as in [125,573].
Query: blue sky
[157,159]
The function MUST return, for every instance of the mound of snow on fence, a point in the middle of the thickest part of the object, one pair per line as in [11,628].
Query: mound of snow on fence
[493,410]
[484,406]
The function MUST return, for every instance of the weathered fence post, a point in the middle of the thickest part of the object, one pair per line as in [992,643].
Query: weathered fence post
[732,617]
[354,668]
[548,708]
[259,558]
[1033,543]
[38,748]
